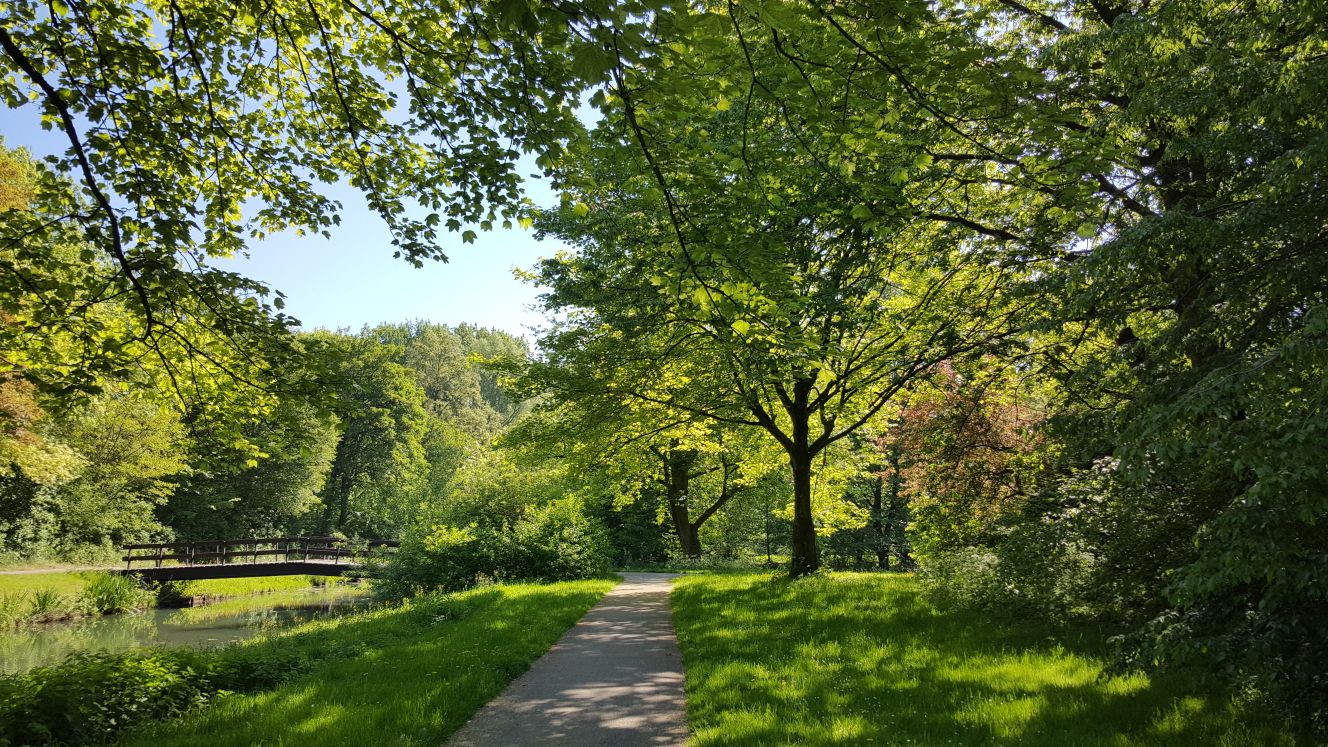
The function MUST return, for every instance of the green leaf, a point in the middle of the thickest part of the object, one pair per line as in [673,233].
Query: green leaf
[741,326]
[468,237]
[581,209]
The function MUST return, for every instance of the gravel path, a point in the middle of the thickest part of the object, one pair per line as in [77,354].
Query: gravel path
[615,679]
[74,569]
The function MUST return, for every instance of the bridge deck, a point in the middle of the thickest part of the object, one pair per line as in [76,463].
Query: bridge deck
[240,558]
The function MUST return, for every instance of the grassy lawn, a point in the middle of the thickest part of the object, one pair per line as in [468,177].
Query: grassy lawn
[856,659]
[62,582]
[403,676]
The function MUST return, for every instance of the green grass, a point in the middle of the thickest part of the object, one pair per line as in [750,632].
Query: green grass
[863,659]
[402,676]
[61,582]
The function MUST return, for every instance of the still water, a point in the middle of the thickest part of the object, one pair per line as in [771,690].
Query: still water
[208,626]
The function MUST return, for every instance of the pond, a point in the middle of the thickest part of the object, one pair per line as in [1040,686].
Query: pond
[211,625]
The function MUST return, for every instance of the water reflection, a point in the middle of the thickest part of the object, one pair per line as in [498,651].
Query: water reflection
[208,626]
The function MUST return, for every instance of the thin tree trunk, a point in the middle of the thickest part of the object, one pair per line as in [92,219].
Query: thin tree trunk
[806,556]
[880,524]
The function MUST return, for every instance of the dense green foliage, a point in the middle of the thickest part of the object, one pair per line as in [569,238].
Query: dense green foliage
[190,131]
[864,659]
[1029,292]
[1070,253]
[553,542]
[446,650]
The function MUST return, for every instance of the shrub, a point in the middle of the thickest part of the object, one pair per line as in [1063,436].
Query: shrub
[91,696]
[554,542]
[962,578]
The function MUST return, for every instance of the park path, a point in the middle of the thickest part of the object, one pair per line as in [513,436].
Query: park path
[72,569]
[615,679]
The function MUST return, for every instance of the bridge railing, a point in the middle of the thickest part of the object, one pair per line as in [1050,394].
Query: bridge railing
[268,549]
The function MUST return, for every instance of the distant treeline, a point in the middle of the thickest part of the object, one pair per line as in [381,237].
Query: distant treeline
[356,442]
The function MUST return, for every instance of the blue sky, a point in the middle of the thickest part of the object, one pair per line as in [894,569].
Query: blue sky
[351,279]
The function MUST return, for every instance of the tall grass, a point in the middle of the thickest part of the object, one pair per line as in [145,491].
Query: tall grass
[12,608]
[865,659]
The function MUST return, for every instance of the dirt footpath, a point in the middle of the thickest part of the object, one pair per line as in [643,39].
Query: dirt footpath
[614,679]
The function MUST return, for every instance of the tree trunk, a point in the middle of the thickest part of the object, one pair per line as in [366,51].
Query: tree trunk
[677,479]
[806,558]
[690,539]
[343,512]
[335,498]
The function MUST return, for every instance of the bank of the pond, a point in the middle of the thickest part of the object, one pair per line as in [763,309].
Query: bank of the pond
[414,672]
[864,659]
[27,598]
[26,647]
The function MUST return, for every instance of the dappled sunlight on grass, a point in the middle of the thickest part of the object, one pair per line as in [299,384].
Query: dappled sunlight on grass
[864,659]
[419,674]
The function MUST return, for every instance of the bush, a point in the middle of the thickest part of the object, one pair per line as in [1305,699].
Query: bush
[965,578]
[91,696]
[554,542]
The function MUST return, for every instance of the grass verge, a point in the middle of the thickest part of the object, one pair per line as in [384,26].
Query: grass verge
[401,676]
[864,659]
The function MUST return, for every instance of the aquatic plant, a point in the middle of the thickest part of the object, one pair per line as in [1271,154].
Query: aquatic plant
[106,594]
[12,608]
[48,604]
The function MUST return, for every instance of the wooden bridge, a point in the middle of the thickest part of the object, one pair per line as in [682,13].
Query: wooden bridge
[274,556]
